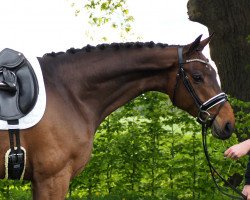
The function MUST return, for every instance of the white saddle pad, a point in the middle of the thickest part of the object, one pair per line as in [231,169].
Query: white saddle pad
[33,117]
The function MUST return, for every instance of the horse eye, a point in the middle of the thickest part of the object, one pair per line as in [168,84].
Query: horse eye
[197,78]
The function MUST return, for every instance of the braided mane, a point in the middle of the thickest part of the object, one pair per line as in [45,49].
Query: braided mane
[115,46]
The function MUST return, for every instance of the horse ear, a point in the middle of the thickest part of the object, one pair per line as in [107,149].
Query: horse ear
[198,45]
[194,45]
[203,43]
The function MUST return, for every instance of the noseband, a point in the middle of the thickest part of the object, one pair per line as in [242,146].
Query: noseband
[204,117]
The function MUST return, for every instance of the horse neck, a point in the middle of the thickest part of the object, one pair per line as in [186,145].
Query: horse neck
[99,82]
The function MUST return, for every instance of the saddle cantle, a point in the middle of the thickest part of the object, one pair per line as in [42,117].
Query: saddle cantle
[18,85]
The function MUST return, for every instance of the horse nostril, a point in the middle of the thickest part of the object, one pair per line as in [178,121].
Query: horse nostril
[228,129]
[222,132]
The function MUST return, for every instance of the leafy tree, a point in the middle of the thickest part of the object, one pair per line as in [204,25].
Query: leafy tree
[107,13]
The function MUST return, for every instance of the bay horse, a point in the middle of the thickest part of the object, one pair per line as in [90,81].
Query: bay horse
[83,86]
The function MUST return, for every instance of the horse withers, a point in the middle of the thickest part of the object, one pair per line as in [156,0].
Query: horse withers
[83,86]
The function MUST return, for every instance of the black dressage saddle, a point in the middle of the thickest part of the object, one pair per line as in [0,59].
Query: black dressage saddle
[18,95]
[18,85]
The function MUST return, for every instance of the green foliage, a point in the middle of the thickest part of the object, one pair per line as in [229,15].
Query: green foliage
[242,118]
[150,150]
[112,14]
[16,190]
[106,11]
[248,38]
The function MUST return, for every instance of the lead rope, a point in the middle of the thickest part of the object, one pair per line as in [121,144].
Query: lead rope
[213,171]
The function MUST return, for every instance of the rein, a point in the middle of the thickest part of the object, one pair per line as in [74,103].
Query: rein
[204,117]
[214,172]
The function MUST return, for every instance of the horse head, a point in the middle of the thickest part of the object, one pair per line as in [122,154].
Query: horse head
[197,90]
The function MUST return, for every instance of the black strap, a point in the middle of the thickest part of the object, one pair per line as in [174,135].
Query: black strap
[213,171]
[10,79]
[190,89]
[11,138]
[180,57]
[213,101]
[185,80]
[12,133]
[16,155]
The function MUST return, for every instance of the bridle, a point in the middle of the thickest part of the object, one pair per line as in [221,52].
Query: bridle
[204,117]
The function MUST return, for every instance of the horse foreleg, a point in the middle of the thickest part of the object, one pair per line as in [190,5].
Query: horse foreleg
[51,188]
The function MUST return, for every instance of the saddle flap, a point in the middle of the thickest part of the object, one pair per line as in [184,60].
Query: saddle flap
[10,58]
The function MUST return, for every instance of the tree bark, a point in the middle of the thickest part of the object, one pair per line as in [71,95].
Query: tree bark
[229,49]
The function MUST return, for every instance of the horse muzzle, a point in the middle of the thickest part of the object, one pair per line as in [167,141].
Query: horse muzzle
[224,131]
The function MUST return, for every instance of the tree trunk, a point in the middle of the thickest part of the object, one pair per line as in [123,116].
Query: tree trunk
[229,49]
